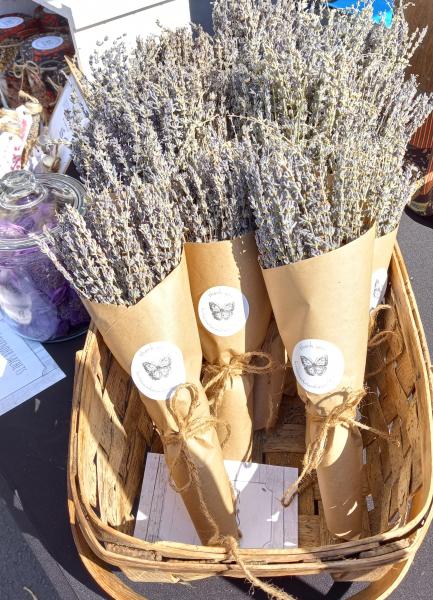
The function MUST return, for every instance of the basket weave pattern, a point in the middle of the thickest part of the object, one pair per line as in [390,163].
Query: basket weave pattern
[111,434]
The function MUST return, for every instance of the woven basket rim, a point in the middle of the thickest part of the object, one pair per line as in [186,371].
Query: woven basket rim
[83,513]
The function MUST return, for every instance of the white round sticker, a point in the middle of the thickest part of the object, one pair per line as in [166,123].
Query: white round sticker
[223,310]
[48,42]
[318,365]
[157,369]
[9,22]
[379,281]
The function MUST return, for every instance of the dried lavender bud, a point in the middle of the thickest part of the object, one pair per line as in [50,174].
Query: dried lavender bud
[123,246]
[338,77]
[144,103]
[305,108]
[211,190]
[290,203]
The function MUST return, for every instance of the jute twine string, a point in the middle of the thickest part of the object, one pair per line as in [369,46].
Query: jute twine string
[380,337]
[343,414]
[33,74]
[275,593]
[189,427]
[32,68]
[240,364]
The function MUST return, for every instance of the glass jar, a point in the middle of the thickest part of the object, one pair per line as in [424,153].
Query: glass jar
[35,298]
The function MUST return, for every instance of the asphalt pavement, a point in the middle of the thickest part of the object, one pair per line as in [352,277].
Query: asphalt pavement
[38,559]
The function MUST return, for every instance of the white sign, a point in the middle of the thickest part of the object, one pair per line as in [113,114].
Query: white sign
[318,365]
[157,369]
[223,310]
[26,369]
[262,519]
[59,127]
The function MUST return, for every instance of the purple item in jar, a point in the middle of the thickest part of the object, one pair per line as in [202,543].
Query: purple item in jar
[35,299]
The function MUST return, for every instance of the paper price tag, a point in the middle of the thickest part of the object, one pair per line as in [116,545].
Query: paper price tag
[379,282]
[59,127]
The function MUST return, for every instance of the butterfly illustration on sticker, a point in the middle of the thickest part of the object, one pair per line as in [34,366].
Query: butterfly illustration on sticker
[317,367]
[222,313]
[160,371]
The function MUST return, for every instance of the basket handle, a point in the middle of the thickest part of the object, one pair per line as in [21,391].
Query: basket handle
[106,580]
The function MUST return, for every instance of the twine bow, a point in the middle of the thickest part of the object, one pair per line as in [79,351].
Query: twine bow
[32,75]
[240,364]
[343,414]
[189,426]
[32,68]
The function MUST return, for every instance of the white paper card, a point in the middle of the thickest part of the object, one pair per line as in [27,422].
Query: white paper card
[26,369]
[59,127]
[264,522]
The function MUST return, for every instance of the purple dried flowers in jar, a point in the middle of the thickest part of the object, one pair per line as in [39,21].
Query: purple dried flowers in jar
[35,299]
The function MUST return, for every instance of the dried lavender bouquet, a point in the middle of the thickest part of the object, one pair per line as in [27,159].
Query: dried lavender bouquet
[318,276]
[124,256]
[331,112]
[228,291]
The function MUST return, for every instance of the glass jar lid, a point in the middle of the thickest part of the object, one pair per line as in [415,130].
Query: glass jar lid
[29,203]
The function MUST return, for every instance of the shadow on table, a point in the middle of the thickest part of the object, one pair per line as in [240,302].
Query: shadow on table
[319,587]
[425,221]
[33,458]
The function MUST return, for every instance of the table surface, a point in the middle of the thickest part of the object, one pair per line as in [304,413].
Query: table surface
[38,559]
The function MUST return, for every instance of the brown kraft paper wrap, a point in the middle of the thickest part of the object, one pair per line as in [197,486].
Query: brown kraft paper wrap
[165,319]
[269,387]
[227,286]
[321,306]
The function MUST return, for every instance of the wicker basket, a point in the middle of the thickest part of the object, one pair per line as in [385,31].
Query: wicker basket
[111,433]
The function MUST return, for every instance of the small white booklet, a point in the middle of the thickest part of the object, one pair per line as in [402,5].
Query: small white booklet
[262,519]
[26,369]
